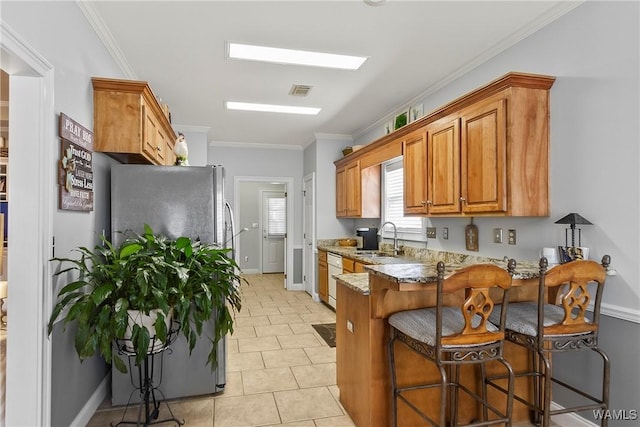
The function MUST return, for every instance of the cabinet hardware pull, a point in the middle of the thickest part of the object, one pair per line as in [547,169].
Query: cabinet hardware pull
[463,200]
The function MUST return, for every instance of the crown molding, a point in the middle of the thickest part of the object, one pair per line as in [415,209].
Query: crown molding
[96,22]
[194,129]
[254,145]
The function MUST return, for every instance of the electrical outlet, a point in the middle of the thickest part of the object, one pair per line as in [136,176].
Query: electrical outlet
[246,259]
[445,233]
[497,235]
[512,237]
[431,232]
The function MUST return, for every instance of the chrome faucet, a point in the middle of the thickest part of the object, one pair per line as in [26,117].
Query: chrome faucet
[396,249]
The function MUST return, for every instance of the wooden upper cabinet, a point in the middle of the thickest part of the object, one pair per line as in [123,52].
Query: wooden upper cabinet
[358,191]
[484,157]
[341,192]
[129,124]
[485,153]
[353,190]
[443,159]
[414,164]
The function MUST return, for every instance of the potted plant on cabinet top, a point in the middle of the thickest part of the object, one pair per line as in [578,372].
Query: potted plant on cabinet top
[184,280]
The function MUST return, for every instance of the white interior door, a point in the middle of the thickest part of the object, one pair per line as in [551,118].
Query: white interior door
[308,231]
[274,231]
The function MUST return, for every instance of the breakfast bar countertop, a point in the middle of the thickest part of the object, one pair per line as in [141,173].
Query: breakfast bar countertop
[422,273]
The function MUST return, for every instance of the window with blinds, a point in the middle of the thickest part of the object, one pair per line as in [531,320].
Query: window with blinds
[277,216]
[393,208]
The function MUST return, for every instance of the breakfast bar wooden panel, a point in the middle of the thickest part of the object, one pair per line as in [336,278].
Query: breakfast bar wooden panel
[365,301]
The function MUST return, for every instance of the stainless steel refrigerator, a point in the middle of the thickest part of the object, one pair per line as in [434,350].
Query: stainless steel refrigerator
[175,201]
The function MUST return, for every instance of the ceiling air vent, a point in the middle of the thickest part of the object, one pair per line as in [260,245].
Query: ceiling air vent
[300,90]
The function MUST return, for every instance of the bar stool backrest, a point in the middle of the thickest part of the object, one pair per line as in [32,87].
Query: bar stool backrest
[570,284]
[477,280]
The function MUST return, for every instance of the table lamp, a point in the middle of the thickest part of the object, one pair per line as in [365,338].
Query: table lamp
[572,219]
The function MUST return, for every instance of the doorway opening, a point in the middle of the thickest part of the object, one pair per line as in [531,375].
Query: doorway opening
[28,398]
[264,240]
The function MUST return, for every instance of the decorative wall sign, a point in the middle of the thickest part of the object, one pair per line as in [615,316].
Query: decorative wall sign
[75,173]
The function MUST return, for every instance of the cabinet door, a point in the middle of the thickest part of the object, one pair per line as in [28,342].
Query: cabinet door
[149,133]
[161,147]
[443,184]
[323,277]
[341,195]
[359,267]
[484,156]
[352,190]
[414,163]
[348,265]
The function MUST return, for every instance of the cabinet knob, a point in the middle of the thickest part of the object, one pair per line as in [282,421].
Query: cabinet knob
[157,148]
[463,200]
[424,202]
[429,202]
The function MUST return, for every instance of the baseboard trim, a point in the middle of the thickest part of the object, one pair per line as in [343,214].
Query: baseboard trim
[89,408]
[297,287]
[570,419]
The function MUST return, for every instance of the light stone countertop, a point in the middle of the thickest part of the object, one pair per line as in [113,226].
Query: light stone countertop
[405,269]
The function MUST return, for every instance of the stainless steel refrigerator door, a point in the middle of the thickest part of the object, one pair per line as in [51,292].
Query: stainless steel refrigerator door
[174,201]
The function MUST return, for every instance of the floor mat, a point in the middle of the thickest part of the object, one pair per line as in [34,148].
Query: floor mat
[328,332]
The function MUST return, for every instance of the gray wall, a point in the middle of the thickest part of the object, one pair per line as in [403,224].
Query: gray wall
[250,161]
[319,157]
[594,52]
[59,32]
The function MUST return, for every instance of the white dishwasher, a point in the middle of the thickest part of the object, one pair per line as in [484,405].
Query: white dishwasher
[335,267]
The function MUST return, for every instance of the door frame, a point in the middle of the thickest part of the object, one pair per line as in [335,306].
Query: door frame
[28,391]
[263,225]
[309,275]
[288,188]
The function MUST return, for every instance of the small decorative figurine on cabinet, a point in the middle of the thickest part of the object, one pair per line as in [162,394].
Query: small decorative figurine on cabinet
[182,151]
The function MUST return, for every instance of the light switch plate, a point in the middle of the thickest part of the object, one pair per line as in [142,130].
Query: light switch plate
[497,235]
[512,237]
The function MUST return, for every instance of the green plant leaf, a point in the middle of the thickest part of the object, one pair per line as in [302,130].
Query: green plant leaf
[101,293]
[129,249]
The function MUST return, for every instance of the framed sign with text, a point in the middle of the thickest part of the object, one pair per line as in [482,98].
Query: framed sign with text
[75,172]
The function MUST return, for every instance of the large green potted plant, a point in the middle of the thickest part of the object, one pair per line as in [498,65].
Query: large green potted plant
[183,280]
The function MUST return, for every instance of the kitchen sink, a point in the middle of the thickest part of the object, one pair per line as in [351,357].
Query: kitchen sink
[374,254]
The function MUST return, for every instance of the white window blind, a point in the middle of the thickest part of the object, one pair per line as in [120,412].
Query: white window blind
[394,199]
[277,216]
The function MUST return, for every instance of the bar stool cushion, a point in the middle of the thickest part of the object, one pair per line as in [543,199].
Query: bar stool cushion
[421,324]
[522,317]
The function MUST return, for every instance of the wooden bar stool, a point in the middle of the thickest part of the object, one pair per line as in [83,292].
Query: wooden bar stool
[555,323]
[453,336]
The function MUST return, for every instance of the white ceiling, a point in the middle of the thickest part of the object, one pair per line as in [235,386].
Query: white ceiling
[413,47]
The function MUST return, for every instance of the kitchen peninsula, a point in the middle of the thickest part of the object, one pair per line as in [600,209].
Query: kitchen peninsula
[366,300]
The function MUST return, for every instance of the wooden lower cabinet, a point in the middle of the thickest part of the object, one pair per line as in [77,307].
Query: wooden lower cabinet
[323,276]
[353,362]
[362,365]
[348,265]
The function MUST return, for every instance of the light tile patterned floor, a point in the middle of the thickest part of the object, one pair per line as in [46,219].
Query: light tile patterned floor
[279,370]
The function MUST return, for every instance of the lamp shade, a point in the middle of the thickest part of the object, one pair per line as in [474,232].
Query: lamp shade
[573,218]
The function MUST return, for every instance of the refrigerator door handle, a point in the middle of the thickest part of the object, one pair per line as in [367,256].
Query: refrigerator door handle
[233,231]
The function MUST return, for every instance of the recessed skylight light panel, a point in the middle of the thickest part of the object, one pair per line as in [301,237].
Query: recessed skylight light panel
[296,57]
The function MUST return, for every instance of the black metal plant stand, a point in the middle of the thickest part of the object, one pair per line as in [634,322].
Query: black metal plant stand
[149,405]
